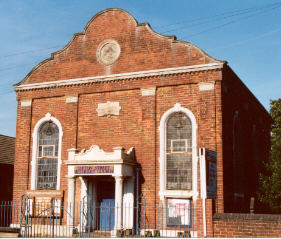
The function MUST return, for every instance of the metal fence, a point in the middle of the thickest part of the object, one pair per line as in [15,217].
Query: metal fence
[51,219]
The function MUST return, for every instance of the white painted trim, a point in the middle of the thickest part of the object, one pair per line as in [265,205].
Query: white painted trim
[162,159]
[203,186]
[130,75]
[47,117]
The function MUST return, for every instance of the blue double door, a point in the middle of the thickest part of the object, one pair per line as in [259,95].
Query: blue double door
[106,194]
[107,214]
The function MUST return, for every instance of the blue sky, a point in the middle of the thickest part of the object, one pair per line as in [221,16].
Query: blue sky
[246,33]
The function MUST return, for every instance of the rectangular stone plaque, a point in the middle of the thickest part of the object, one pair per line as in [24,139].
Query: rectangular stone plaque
[108,108]
[94,169]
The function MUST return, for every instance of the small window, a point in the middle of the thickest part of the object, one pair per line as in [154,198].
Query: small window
[178,145]
[47,156]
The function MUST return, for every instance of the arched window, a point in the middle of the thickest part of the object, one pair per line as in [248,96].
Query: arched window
[47,156]
[178,152]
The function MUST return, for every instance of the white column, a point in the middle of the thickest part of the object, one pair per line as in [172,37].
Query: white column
[95,204]
[84,200]
[118,202]
[90,204]
[71,200]
[128,203]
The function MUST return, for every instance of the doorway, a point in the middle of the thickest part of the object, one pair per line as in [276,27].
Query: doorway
[106,203]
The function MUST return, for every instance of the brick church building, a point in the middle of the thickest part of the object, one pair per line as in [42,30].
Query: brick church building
[125,115]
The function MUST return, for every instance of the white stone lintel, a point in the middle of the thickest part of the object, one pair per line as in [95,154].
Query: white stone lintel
[71,98]
[148,91]
[204,86]
[26,103]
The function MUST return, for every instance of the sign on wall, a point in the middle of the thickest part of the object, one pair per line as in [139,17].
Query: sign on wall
[178,212]
[211,173]
[108,169]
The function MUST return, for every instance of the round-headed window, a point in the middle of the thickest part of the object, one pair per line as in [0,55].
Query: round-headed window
[47,156]
[178,152]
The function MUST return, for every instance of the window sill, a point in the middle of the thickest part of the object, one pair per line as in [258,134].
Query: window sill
[177,194]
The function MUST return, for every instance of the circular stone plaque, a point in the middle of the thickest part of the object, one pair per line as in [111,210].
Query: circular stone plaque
[108,52]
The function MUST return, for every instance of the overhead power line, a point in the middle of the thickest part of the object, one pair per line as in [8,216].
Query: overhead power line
[199,21]
[227,23]
[222,17]
[25,52]
[249,39]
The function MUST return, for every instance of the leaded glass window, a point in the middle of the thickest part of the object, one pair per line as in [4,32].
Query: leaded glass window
[47,156]
[178,152]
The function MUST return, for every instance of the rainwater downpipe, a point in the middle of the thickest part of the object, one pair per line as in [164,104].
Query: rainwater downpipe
[137,196]
[203,187]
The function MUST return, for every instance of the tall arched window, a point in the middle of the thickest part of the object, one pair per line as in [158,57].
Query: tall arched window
[47,156]
[178,152]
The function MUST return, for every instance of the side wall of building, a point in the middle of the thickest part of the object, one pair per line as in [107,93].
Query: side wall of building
[7,152]
[246,136]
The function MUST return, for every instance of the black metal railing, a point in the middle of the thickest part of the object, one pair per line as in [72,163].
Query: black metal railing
[90,219]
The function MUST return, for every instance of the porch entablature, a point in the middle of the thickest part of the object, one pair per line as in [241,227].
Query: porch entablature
[97,162]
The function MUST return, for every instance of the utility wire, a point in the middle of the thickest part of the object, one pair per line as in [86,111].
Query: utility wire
[266,9]
[198,20]
[207,21]
[25,52]
[249,39]
[217,15]
[225,24]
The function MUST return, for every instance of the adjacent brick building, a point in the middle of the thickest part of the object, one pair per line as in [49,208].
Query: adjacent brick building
[7,150]
[153,113]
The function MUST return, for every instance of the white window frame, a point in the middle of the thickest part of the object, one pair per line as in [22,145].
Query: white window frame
[47,117]
[163,192]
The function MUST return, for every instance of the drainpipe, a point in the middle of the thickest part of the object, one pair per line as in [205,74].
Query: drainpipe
[137,201]
[203,187]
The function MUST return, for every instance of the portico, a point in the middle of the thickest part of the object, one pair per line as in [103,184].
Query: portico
[105,177]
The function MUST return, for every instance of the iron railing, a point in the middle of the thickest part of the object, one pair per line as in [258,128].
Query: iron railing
[50,219]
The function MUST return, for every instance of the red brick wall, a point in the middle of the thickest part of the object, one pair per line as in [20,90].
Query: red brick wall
[252,147]
[141,49]
[136,123]
[139,119]
[22,152]
[247,225]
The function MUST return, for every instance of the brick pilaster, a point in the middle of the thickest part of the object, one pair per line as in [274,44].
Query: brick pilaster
[148,149]
[22,149]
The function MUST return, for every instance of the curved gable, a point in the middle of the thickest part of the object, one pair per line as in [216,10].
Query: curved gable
[113,42]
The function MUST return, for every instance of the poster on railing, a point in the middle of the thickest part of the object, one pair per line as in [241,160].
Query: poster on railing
[178,212]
